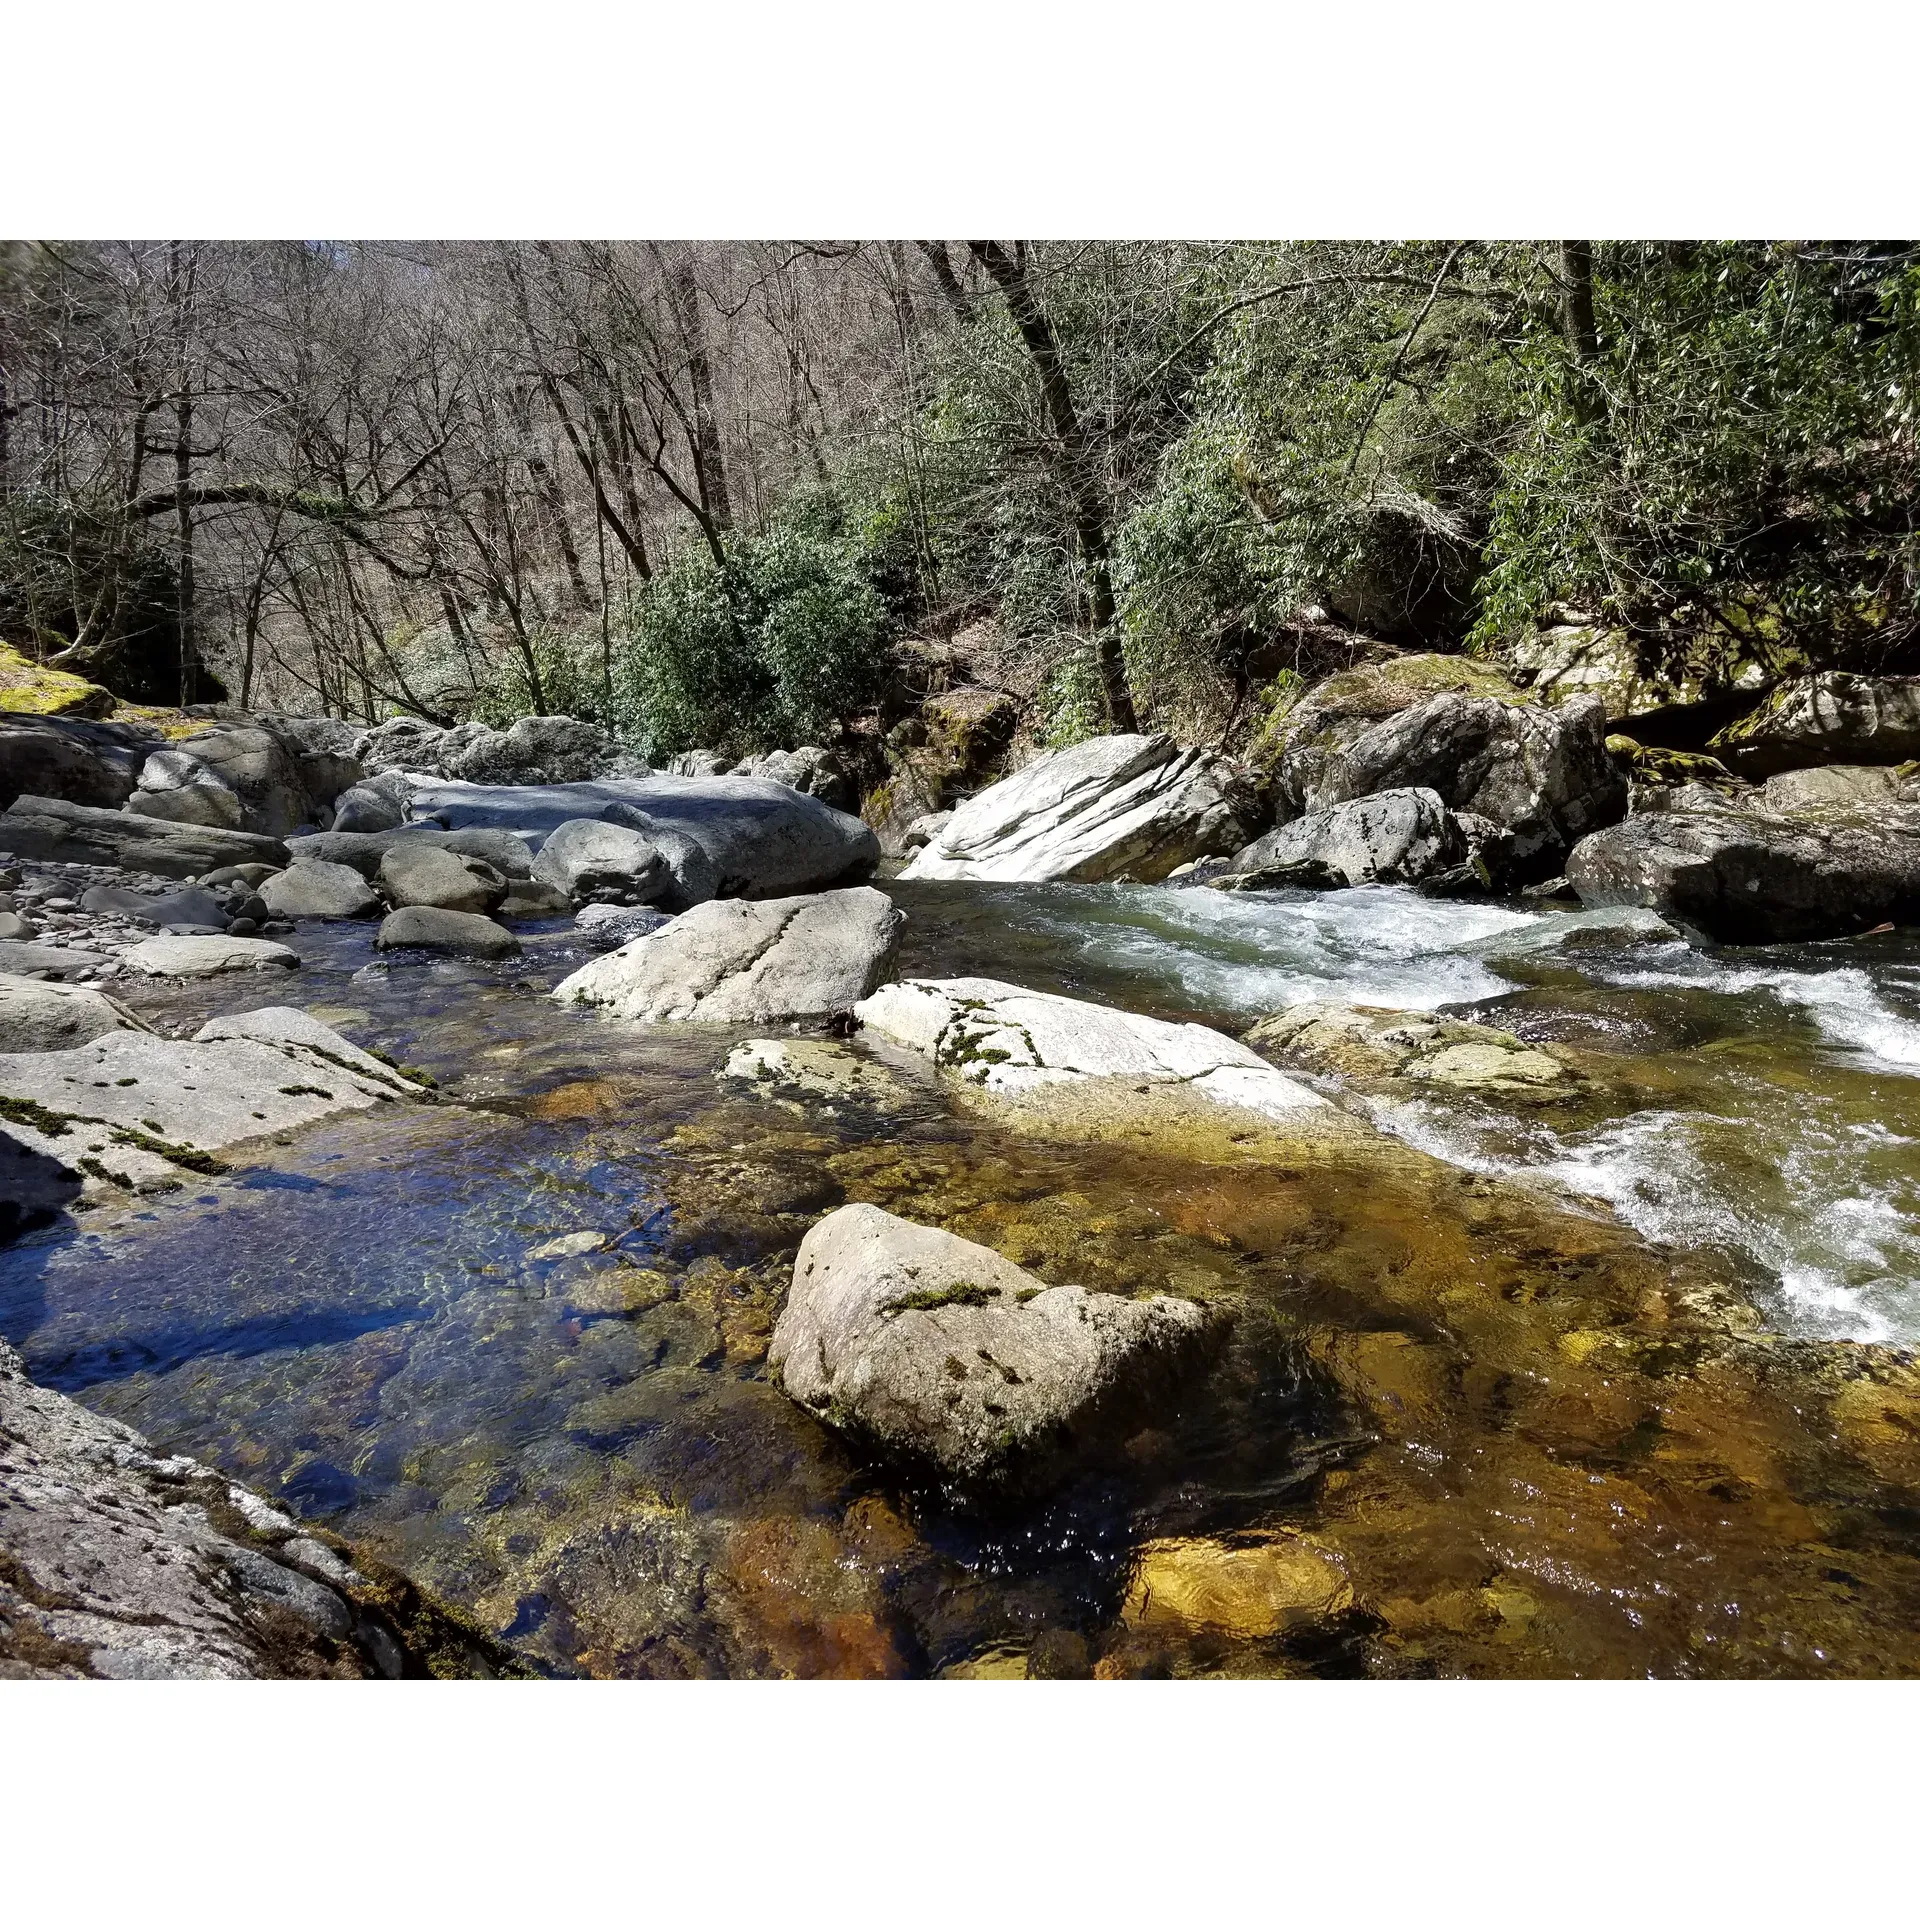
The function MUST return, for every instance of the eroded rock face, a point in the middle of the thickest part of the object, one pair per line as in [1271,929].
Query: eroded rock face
[1127,806]
[265,777]
[754,961]
[951,1360]
[43,829]
[44,1016]
[119,1563]
[1542,776]
[1399,837]
[1011,1041]
[534,751]
[1826,719]
[1743,876]
[764,841]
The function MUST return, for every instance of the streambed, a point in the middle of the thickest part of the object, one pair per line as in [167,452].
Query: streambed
[1608,1389]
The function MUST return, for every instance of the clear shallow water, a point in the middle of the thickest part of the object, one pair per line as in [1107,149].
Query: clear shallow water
[1490,1409]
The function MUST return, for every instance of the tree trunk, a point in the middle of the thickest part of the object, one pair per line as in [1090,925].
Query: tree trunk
[712,471]
[1083,483]
[182,480]
[1576,320]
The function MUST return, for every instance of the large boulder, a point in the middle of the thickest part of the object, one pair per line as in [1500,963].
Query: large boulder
[753,961]
[415,873]
[597,860]
[366,808]
[1812,787]
[1542,775]
[1127,806]
[246,777]
[765,841]
[1826,719]
[468,936]
[1745,876]
[1013,1041]
[538,750]
[44,1016]
[506,853]
[44,829]
[1379,1046]
[91,763]
[318,890]
[1399,837]
[953,1362]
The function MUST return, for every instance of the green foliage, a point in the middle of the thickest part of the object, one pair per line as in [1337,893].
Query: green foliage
[769,649]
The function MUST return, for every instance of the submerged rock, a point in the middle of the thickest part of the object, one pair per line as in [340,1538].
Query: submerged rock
[1127,806]
[951,1360]
[471,936]
[1380,1043]
[827,1070]
[1253,1592]
[753,961]
[1744,876]
[119,1563]
[1009,1040]
[1399,837]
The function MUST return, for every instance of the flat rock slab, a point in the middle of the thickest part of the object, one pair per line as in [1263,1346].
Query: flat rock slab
[203,955]
[471,936]
[43,1016]
[30,957]
[750,961]
[43,829]
[1127,806]
[1012,1041]
[949,1359]
[764,840]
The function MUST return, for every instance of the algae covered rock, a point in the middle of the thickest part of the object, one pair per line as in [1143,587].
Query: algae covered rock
[952,1361]
[1826,719]
[28,687]
[1253,1592]
[1377,1044]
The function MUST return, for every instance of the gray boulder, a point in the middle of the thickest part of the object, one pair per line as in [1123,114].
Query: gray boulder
[535,900]
[252,777]
[599,860]
[924,828]
[815,770]
[42,829]
[1541,775]
[1127,806]
[1825,719]
[367,809]
[1743,876]
[33,959]
[418,874]
[318,890]
[952,1361]
[702,763]
[694,877]
[752,961]
[1400,837]
[363,852]
[183,906]
[92,763]
[1807,787]
[471,936]
[765,841]
[43,1016]
[180,786]
[506,853]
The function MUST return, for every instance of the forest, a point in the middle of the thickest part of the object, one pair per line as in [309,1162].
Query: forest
[723,495]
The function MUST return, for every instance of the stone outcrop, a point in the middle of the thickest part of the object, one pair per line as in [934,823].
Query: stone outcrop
[1541,775]
[1826,719]
[764,841]
[952,1362]
[44,829]
[815,770]
[1012,1041]
[118,1562]
[261,775]
[29,688]
[469,936]
[88,762]
[1399,837]
[808,958]
[539,750]
[951,748]
[1745,876]
[1126,806]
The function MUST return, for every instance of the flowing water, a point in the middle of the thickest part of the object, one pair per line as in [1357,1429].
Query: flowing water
[1608,1387]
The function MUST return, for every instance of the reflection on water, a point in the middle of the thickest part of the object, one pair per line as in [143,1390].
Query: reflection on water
[1530,1442]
